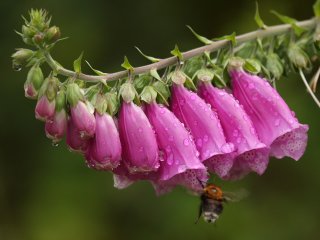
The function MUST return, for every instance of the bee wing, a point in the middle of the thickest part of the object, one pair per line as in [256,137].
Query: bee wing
[235,196]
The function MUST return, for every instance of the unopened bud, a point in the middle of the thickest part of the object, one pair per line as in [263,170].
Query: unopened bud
[35,77]
[53,34]
[205,75]
[38,38]
[22,55]
[297,56]
[74,94]
[274,65]
[28,32]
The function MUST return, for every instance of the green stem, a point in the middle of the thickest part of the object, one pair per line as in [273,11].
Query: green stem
[308,87]
[261,33]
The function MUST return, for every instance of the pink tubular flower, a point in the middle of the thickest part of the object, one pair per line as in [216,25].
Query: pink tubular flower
[45,108]
[104,152]
[180,164]
[74,141]
[139,145]
[56,127]
[275,123]
[206,129]
[252,154]
[83,119]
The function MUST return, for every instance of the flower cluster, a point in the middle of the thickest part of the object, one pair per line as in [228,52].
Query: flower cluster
[227,132]
[171,130]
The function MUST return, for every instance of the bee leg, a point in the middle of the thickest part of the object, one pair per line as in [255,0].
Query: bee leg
[199,214]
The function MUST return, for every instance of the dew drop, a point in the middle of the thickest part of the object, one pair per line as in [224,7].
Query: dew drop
[199,142]
[140,130]
[277,122]
[171,138]
[16,67]
[186,142]
[140,149]
[238,140]
[170,159]
[235,133]
[55,144]
[193,97]
[251,86]
[168,149]
[205,138]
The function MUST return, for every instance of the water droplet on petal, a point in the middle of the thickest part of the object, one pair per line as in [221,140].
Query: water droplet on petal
[199,142]
[168,149]
[251,86]
[277,122]
[205,138]
[171,138]
[140,130]
[140,149]
[193,97]
[186,142]
[170,159]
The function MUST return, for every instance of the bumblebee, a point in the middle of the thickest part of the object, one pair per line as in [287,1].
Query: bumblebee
[212,200]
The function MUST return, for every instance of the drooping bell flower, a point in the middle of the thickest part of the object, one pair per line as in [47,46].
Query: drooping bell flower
[55,128]
[253,155]
[104,152]
[45,107]
[74,140]
[274,122]
[139,145]
[205,127]
[81,111]
[179,164]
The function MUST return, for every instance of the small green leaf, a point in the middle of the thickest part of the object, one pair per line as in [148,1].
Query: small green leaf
[231,38]
[316,8]
[163,92]
[99,73]
[155,74]
[149,94]
[190,84]
[258,19]
[126,64]
[200,38]
[142,81]
[176,52]
[152,59]
[77,64]
[297,30]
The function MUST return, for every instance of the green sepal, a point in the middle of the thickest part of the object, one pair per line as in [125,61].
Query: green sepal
[258,19]
[113,103]
[192,65]
[176,52]
[205,75]
[163,92]
[74,94]
[154,73]
[298,57]
[91,93]
[190,84]
[316,8]
[142,81]
[231,38]
[199,37]
[35,76]
[100,103]
[22,55]
[274,65]
[77,64]
[148,94]
[285,19]
[126,64]
[51,88]
[99,73]
[252,65]
[60,100]
[127,92]
[152,59]
[178,77]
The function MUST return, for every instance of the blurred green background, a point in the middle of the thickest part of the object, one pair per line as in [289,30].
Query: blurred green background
[47,193]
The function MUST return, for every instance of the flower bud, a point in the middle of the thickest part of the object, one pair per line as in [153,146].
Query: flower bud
[74,94]
[274,65]
[28,32]
[34,82]
[22,55]
[53,34]
[56,127]
[45,107]
[297,56]
[38,38]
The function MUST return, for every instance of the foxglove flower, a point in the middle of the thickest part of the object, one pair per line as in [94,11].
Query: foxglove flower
[34,82]
[180,164]
[81,111]
[252,154]
[275,123]
[139,145]
[74,141]
[56,127]
[83,118]
[45,108]
[104,152]
[206,129]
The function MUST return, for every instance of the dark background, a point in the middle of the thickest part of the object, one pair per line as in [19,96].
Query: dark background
[47,193]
